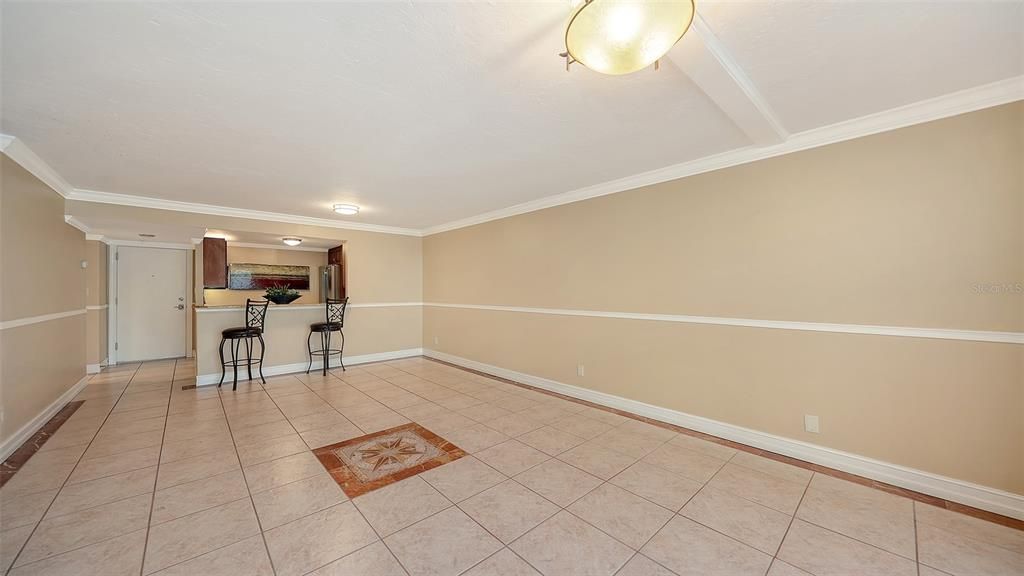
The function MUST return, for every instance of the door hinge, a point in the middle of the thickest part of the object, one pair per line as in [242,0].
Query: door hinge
[115,345]
[117,255]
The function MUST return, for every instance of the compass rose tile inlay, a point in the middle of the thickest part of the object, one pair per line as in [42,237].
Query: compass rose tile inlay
[363,464]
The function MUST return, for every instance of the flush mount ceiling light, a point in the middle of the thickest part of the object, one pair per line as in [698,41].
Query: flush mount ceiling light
[346,209]
[622,36]
[292,241]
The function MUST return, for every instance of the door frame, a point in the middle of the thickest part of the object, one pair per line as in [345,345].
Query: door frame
[112,260]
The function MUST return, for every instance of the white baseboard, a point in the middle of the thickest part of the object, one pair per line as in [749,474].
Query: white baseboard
[95,368]
[208,379]
[985,498]
[8,446]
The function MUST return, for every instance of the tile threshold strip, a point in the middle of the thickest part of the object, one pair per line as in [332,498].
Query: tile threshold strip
[29,447]
[863,481]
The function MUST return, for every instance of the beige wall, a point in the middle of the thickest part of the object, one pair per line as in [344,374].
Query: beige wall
[40,259]
[897,229]
[237,254]
[96,299]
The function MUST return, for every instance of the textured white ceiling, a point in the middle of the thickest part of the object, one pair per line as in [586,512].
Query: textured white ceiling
[424,113]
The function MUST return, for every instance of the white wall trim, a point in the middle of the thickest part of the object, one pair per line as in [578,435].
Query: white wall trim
[94,368]
[213,210]
[903,331]
[17,323]
[145,244]
[281,246]
[320,306]
[210,379]
[76,223]
[991,499]
[969,100]
[7,447]
[97,307]
[18,151]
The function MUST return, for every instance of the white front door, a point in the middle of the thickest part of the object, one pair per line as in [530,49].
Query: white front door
[151,314]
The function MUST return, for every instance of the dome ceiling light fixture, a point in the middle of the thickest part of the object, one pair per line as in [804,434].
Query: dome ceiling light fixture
[346,209]
[622,36]
[292,241]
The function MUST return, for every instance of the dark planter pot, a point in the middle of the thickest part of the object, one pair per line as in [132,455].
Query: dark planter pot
[284,299]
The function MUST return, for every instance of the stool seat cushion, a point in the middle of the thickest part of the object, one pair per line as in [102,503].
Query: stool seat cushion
[241,332]
[325,327]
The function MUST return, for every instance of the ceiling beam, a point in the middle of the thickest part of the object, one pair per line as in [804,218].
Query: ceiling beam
[703,57]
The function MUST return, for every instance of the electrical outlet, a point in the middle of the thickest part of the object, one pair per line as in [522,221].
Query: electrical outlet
[436,340]
[811,424]
[580,370]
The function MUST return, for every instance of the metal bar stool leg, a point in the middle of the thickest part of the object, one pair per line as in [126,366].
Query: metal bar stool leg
[326,339]
[263,349]
[223,368]
[309,347]
[248,357]
[234,362]
[341,352]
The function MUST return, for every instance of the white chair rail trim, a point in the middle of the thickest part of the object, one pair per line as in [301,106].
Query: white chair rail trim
[8,324]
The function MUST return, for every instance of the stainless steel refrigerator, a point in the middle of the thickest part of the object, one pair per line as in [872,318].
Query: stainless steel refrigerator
[332,283]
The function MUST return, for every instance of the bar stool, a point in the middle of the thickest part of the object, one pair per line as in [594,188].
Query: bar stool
[255,315]
[335,322]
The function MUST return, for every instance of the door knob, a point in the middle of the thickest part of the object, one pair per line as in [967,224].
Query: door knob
[180,306]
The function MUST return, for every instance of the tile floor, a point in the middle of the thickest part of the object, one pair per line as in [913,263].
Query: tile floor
[147,478]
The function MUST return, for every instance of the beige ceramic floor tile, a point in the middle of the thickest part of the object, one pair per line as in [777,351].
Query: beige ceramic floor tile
[444,544]
[964,556]
[825,553]
[11,541]
[398,505]
[512,457]
[513,425]
[120,556]
[862,513]
[564,544]
[621,514]
[476,438]
[196,534]
[678,460]
[319,437]
[641,565]
[245,558]
[597,461]
[373,560]
[318,539]
[558,481]
[174,451]
[771,467]
[579,425]
[116,464]
[58,534]
[762,488]
[705,447]
[689,549]
[508,510]
[503,563]
[77,497]
[780,568]
[195,468]
[462,478]
[275,473]
[551,441]
[190,497]
[750,523]
[292,501]
[964,525]
[252,454]
[21,510]
[656,484]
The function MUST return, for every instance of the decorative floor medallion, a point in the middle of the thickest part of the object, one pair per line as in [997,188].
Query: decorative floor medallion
[366,463]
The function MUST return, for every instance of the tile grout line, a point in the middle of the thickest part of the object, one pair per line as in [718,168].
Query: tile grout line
[917,546]
[64,483]
[156,476]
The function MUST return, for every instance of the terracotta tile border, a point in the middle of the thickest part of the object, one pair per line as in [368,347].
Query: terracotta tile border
[353,486]
[19,457]
[916,496]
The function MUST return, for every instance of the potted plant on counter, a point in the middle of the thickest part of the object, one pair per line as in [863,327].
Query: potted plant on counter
[282,295]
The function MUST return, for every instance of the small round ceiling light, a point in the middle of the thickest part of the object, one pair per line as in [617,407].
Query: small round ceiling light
[622,36]
[292,241]
[346,209]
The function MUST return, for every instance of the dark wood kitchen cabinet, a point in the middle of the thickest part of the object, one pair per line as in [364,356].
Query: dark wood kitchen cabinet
[215,263]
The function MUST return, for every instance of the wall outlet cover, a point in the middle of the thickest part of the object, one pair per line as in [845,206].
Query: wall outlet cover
[811,424]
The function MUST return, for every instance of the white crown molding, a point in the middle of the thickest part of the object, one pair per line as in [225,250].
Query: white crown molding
[18,151]
[985,96]
[874,330]
[144,244]
[7,447]
[210,379]
[983,497]
[277,247]
[94,237]
[212,210]
[76,223]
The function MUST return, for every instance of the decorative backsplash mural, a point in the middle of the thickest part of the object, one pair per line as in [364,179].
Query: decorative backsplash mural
[262,276]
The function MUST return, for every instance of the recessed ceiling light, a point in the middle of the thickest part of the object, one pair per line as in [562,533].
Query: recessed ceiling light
[148,235]
[623,36]
[346,209]
[292,241]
